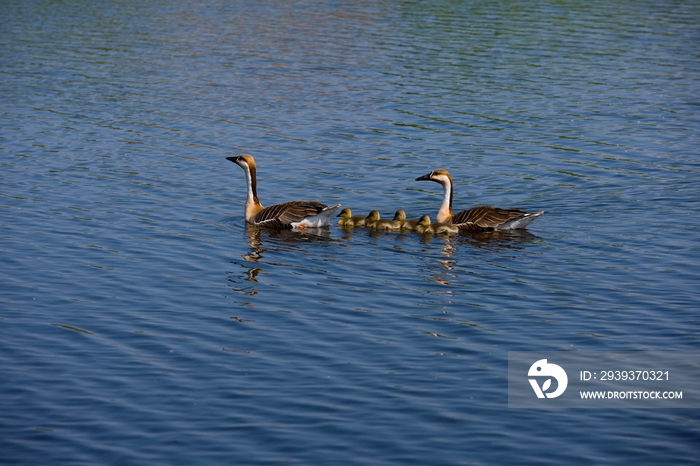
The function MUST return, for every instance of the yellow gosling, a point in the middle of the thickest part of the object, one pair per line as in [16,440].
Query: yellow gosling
[426,228]
[404,225]
[374,222]
[349,221]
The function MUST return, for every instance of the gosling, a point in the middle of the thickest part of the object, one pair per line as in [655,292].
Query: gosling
[374,222]
[350,221]
[426,228]
[402,223]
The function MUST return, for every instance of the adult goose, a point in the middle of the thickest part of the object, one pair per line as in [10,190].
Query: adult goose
[348,220]
[481,218]
[293,214]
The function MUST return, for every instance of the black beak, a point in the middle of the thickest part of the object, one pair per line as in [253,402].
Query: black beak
[424,177]
[232,159]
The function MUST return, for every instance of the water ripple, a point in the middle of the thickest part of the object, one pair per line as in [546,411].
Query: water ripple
[143,322]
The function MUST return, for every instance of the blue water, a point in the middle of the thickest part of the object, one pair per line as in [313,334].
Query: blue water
[141,322]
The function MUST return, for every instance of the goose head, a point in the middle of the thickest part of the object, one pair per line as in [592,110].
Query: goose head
[439,176]
[244,161]
[400,216]
[373,216]
[345,213]
[424,221]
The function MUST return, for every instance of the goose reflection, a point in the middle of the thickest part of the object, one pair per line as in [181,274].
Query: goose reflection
[488,239]
[282,239]
[443,270]
[500,239]
[263,243]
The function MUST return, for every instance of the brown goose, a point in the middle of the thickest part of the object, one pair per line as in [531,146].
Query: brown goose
[349,221]
[374,222]
[425,227]
[294,214]
[482,218]
[403,224]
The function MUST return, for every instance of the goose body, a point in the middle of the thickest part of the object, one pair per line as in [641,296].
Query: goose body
[425,227]
[349,221]
[481,218]
[403,224]
[374,222]
[294,214]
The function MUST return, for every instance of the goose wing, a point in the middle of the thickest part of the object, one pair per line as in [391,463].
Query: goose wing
[485,218]
[283,215]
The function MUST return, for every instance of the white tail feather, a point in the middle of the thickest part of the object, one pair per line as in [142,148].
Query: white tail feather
[317,221]
[520,222]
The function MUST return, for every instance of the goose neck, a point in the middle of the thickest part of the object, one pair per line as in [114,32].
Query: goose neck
[445,212]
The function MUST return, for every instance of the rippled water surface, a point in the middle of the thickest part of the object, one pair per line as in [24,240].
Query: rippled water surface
[141,322]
